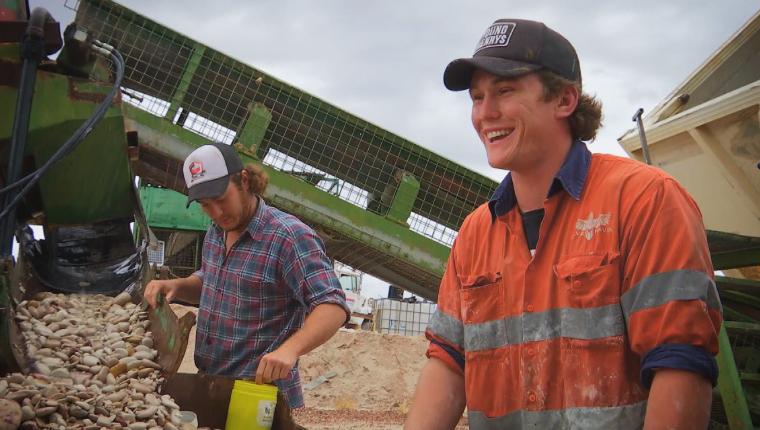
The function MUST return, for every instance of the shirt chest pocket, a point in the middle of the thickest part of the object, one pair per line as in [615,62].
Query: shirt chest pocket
[251,299]
[590,280]
[481,297]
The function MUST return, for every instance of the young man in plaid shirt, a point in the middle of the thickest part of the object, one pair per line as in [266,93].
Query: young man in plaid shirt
[266,290]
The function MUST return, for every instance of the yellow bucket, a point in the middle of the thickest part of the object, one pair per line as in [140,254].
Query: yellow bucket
[251,406]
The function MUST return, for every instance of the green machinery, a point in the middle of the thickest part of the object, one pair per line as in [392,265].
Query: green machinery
[64,167]
[382,204]
[179,230]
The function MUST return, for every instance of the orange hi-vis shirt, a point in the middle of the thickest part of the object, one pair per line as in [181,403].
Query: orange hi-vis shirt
[557,339]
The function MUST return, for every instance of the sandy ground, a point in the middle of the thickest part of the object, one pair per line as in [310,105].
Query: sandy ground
[357,380]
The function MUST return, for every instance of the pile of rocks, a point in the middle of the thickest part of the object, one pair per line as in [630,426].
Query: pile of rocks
[92,366]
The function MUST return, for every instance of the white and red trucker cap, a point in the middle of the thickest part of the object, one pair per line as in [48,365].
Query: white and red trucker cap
[207,171]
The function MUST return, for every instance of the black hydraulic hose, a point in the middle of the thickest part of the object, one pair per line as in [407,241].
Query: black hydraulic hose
[16,184]
[32,52]
[76,138]
[21,119]
[36,25]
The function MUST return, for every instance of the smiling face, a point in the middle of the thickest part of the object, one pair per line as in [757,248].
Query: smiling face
[516,125]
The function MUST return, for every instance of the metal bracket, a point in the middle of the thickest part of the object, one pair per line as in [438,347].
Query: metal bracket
[642,136]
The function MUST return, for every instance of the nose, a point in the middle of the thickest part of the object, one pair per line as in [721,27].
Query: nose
[490,107]
[486,110]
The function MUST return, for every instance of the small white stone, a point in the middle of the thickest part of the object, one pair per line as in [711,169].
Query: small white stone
[90,360]
[122,299]
[61,373]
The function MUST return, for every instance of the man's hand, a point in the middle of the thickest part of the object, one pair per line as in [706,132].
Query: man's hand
[166,288]
[275,365]
[318,327]
[184,289]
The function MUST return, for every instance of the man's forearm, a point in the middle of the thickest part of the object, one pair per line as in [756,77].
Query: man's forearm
[678,399]
[439,399]
[320,325]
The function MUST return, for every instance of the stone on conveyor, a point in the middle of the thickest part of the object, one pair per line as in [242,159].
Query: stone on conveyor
[10,414]
[122,299]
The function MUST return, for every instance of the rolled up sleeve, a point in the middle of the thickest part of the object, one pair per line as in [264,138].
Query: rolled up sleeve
[309,272]
[670,302]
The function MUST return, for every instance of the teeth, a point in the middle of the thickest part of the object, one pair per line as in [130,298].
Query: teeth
[494,134]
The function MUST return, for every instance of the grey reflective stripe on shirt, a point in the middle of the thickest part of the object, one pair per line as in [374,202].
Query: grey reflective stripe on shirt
[607,418]
[661,288]
[585,323]
[446,327]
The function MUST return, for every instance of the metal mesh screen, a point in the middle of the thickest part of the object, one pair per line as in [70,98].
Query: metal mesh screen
[402,317]
[368,260]
[145,102]
[212,94]
[155,56]
[745,343]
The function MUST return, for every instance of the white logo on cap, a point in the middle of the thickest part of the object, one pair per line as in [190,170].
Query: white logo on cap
[498,34]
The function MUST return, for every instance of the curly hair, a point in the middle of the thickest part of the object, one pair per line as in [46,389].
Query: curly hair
[257,179]
[587,118]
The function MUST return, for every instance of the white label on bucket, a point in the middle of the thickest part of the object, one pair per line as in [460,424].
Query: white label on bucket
[266,413]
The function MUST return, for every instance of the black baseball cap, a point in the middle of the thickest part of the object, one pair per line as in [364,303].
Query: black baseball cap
[207,170]
[515,47]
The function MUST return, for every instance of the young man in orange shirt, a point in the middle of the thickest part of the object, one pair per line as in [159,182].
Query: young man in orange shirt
[582,294]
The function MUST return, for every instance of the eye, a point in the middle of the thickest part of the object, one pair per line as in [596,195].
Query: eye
[505,90]
[476,96]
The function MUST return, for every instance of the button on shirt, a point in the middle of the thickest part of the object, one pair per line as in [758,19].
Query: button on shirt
[257,295]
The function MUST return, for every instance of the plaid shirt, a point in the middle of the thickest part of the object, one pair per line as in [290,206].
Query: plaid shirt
[257,296]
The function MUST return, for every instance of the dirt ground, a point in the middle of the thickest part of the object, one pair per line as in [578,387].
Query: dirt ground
[358,380]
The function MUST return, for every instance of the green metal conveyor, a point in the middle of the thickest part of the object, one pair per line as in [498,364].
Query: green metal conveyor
[383,204]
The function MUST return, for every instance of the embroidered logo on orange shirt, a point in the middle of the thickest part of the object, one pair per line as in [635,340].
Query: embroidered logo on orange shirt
[590,226]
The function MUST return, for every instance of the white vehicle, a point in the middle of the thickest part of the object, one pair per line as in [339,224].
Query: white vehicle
[361,307]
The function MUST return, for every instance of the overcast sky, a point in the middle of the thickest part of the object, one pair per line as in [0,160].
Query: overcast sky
[384,60]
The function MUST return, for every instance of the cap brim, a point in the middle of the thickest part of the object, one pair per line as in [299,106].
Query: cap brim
[208,190]
[458,73]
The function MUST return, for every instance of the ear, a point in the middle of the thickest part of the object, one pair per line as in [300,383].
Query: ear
[567,101]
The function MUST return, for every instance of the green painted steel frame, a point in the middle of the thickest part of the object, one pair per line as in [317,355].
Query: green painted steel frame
[730,251]
[184,82]
[227,92]
[309,203]
[90,183]
[255,127]
[737,259]
[730,386]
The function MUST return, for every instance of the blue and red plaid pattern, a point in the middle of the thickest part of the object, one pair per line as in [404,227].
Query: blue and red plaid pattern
[258,295]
